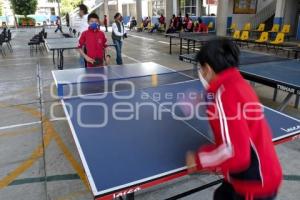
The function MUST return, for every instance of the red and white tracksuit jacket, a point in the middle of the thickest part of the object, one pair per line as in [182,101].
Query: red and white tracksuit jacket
[243,149]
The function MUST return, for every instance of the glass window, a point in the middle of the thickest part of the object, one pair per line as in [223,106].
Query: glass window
[158,7]
[188,7]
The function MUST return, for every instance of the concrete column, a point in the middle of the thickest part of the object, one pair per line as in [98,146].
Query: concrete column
[280,8]
[120,6]
[150,8]
[280,11]
[175,7]
[222,17]
[198,8]
[128,10]
[169,10]
[139,13]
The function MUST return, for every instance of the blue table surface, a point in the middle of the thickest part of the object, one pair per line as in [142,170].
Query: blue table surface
[248,58]
[133,151]
[87,75]
[287,72]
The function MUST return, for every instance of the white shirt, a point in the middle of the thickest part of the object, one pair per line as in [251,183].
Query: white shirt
[81,23]
[116,30]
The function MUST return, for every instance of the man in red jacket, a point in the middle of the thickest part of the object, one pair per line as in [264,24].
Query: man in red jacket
[243,151]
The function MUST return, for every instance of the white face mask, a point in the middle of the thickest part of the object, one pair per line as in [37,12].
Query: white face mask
[203,80]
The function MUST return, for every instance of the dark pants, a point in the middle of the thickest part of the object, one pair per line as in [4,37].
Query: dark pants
[226,192]
[106,30]
[118,47]
[58,29]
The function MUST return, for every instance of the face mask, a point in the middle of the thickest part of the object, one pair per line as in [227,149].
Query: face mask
[203,80]
[94,26]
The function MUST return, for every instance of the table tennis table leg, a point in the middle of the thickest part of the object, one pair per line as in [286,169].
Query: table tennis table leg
[285,102]
[188,46]
[180,51]
[194,46]
[53,56]
[297,101]
[170,45]
[275,94]
[61,64]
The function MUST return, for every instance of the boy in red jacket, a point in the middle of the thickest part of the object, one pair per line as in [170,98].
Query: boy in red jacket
[243,151]
[94,41]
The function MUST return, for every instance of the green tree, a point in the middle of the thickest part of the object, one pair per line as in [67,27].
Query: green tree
[67,6]
[24,7]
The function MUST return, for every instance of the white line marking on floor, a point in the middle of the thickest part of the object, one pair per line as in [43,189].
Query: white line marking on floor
[144,38]
[29,124]
[130,58]
[19,125]
[163,42]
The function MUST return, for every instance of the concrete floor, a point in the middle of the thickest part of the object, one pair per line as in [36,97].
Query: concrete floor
[38,158]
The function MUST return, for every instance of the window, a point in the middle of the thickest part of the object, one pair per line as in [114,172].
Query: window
[158,7]
[52,10]
[188,7]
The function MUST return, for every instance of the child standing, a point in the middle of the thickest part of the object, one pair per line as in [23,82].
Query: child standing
[94,41]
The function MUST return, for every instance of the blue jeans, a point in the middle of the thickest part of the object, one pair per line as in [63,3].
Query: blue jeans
[118,47]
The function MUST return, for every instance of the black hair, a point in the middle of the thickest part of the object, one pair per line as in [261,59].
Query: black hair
[93,15]
[220,54]
[186,15]
[117,15]
[83,8]
[174,15]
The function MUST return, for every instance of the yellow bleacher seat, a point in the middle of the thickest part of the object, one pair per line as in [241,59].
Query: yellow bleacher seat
[247,27]
[244,36]
[149,27]
[286,29]
[261,28]
[278,40]
[264,37]
[233,26]
[275,28]
[210,26]
[236,35]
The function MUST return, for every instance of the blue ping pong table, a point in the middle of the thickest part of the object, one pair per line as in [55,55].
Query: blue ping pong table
[60,45]
[130,138]
[282,75]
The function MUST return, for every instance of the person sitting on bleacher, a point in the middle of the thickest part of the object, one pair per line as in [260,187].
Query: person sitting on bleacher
[94,41]
[200,27]
[162,21]
[133,23]
[185,21]
[173,25]
[188,24]
[146,22]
